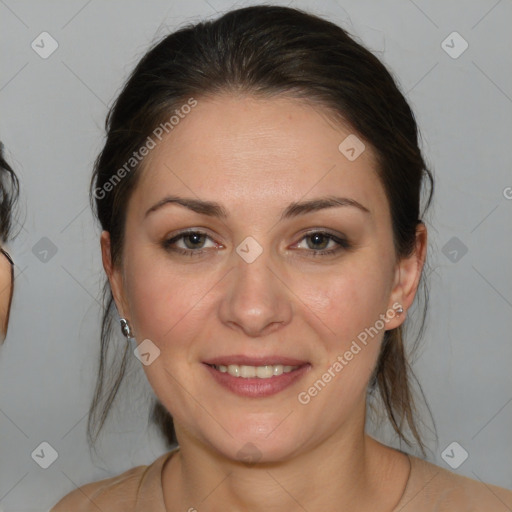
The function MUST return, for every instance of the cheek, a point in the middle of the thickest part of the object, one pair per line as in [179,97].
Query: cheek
[166,306]
[346,300]
[349,306]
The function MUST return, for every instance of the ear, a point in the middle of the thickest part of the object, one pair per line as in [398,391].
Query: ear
[114,275]
[407,278]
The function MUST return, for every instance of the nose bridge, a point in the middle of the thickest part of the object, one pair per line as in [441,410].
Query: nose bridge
[256,299]
[252,272]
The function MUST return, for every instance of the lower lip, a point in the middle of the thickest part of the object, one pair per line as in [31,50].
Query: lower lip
[255,387]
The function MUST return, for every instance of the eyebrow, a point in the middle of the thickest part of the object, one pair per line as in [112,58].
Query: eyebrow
[213,209]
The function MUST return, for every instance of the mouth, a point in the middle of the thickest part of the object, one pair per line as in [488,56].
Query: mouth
[266,371]
[256,377]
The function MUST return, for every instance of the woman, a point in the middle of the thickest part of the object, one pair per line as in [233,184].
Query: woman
[259,195]
[9,189]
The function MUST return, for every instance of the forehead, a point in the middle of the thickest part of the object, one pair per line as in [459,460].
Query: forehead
[258,151]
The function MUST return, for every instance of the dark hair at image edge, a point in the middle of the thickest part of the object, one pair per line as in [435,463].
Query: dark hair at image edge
[9,193]
[267,51]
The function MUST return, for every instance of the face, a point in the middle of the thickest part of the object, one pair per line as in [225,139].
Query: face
[268,285]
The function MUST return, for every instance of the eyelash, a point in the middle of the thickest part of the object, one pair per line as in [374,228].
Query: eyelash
[342,244]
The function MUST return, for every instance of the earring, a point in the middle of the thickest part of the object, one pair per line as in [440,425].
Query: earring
[125,328]
[400,310]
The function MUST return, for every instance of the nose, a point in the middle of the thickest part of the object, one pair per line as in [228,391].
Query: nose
[257,300]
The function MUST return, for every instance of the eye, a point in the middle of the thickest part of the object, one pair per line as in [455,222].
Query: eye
[192,243]
[318,241]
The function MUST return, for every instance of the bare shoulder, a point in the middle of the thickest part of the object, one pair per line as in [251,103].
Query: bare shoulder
[113,494]
[432,487]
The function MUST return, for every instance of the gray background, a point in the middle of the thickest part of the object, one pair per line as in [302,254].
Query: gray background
[52,115]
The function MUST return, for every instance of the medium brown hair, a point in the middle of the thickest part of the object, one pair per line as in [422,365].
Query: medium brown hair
[266,51]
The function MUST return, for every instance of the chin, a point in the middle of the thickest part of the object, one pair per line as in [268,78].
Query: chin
[253,442]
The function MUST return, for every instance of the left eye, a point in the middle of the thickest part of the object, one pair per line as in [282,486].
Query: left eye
[322,239]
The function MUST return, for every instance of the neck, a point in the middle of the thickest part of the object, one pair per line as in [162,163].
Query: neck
[353,471]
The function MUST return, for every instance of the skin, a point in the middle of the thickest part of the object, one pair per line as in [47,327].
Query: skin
[254,157]
[5,295]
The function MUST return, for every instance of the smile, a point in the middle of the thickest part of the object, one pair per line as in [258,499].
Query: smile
[258,381]
[260,372]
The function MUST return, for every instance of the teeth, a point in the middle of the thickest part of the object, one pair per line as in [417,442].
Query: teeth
[261,372]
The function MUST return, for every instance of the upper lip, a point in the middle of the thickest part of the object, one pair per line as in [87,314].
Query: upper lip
[255,361]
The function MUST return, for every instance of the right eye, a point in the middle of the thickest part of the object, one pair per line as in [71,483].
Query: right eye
[192,243]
